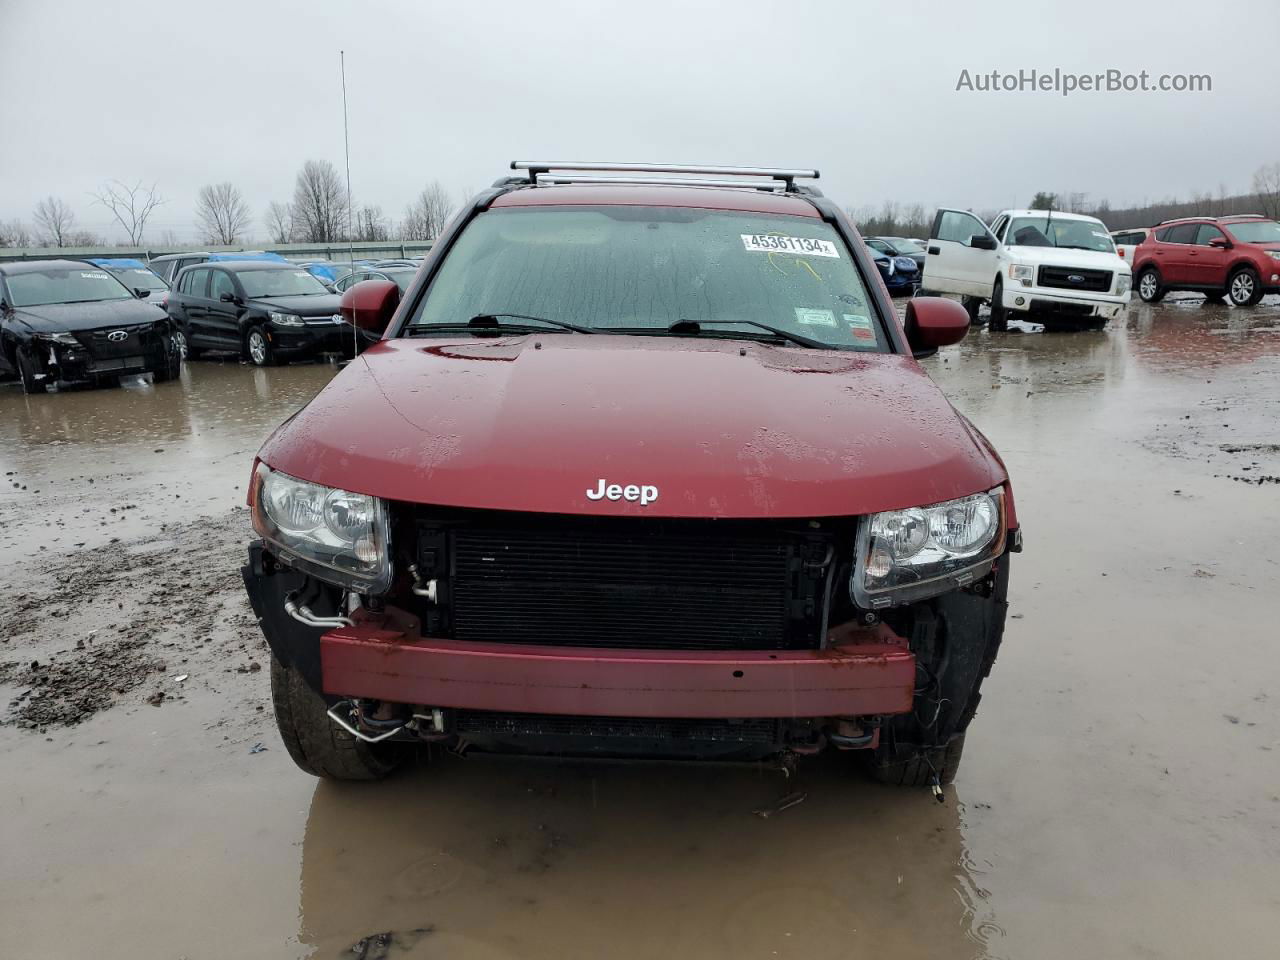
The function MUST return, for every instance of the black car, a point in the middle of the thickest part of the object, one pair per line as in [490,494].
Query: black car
[898,247]
[266,312]
[71,320]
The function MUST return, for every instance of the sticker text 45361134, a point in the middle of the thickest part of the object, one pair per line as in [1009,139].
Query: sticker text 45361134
[800,246]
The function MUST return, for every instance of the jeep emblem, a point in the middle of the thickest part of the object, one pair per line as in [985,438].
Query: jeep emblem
[632,493]
[115,336]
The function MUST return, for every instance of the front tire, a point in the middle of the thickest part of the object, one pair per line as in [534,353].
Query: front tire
[318,745]
[1244,289]
[27,372]
[259,349]
[171,367]
[999,315]
[919,769]
[1149,288]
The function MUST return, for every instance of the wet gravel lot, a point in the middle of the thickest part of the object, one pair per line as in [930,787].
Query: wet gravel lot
[1120,795]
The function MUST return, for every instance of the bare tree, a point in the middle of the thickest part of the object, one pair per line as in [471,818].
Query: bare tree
[14,233]
[428,214]
[83,238]
[54,221]
[131,206]
[371,226]
[279,220]
[222,213]
[319,203]
[1266,184]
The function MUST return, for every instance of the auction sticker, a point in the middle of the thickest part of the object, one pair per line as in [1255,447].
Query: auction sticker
[803,246]
[93,275]
[815,318]
[860,326]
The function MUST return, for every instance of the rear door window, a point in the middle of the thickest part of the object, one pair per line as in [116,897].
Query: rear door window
[1182,233]
[198,283]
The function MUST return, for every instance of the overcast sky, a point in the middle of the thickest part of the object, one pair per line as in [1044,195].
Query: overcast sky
[187,94]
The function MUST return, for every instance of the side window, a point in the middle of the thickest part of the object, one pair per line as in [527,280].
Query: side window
[343,283]
[198,283]
[1207,233]
[878,245]
[222,283]
[958,227]
[998,227]
[1182,233]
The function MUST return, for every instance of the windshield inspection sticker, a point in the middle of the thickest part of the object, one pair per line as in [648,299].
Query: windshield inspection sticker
[803,246]
[860,326]
[815,318]
[94,276]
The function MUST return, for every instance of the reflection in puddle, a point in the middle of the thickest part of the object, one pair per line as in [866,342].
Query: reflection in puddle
[501,857]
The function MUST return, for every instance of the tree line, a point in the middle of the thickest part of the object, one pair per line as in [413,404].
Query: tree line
[892,219]
[318,212]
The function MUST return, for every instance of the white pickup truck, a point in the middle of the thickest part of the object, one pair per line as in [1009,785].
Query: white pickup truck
[1060,269]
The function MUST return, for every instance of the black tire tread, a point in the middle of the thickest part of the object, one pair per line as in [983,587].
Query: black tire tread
[918,770]
[318,745]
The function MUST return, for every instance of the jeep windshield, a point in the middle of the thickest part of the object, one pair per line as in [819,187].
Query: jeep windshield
[279,283]
[1254,231]
[663,271]
[1062,232]
[35,288]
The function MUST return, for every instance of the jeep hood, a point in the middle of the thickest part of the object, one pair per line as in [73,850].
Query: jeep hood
[722,428]
[92,315]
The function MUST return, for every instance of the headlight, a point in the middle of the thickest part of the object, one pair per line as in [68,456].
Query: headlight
[1123,283]
[285,319]
[905,555]
[340,537]
[66,339]
[1274,254]
[1021,271]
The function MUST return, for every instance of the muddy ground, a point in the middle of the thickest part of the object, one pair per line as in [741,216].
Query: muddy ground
[1120,795]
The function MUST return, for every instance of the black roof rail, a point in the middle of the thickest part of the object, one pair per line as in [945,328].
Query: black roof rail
[689,175]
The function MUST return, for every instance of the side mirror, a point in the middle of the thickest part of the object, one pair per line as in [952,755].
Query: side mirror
[142,293]
[228,298]
[933,322]
[982,241]
[370,305]
[1222,243]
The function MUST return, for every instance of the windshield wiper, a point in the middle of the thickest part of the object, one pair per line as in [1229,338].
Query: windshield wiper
[493,321]
[695,327]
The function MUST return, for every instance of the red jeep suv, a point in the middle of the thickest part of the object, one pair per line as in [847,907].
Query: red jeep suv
[642,465]
[1222,257]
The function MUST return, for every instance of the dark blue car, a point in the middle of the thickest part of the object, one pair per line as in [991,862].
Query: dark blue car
[900,274]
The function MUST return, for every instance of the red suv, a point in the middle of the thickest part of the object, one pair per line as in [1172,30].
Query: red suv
[1222,257]
[643,466]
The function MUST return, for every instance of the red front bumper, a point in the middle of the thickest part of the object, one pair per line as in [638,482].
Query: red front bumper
[874,675]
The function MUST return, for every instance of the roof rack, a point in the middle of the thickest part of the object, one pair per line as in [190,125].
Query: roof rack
[757,178]
[1225,216]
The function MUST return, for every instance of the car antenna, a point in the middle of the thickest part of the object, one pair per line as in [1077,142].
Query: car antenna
[346,148]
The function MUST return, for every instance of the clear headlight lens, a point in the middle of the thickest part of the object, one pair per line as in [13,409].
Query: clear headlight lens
[1274,254]
[285,319]
[1021,271]
[1123,283]
[338,536]
[905,555]
[66,339]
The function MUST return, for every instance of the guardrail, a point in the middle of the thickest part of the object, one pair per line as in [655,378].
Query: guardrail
[327,251]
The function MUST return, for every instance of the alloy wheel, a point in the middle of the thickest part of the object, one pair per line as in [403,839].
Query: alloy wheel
[1242,288]
[1148,286]
[257,348]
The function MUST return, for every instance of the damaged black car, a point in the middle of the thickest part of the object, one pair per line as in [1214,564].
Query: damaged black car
[69,321]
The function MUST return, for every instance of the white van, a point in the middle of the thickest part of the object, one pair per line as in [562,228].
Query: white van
[1052,267]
